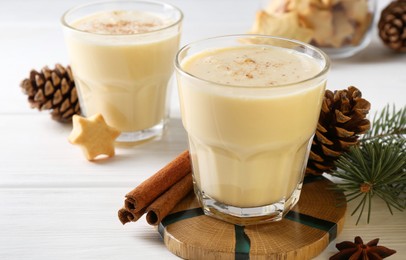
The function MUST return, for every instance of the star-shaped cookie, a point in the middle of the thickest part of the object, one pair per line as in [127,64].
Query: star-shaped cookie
[93,135]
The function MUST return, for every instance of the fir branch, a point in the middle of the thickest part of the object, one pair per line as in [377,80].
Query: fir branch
[377,166]
[374,169]
[388,124]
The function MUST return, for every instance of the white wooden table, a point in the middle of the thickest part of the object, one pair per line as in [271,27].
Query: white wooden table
[56,205]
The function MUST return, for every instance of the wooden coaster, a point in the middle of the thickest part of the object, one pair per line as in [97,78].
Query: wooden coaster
[303,234]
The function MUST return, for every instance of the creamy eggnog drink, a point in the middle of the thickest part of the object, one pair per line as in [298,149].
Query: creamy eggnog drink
[250,111]
[122,55]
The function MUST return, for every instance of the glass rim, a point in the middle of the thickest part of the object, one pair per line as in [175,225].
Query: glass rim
[95,3]
[320,74]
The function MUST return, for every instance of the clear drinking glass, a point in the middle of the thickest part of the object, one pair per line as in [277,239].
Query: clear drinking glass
[124,72]
[249,144]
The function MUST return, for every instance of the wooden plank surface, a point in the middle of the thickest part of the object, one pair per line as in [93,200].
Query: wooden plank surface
[56,205]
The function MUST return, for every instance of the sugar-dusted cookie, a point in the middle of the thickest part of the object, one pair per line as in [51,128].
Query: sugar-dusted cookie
[285,25]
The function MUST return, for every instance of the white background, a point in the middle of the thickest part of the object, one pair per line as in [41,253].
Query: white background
[56,205]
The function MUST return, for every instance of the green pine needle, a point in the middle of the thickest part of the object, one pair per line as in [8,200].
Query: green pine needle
[388,124]
[377,167]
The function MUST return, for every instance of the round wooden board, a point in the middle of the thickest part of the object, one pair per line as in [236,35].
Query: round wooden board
[304,232]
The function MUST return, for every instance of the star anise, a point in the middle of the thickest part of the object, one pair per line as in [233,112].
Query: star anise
[358,250]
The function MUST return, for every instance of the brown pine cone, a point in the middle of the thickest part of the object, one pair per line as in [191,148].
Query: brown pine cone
[53,90]
[392,25]
[342,120]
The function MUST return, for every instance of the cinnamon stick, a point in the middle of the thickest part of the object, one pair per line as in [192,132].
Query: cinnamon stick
[126,216]
[145,193]
[161,207]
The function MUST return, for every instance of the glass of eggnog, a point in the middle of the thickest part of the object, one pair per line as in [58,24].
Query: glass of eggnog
[121,54]
[250,105]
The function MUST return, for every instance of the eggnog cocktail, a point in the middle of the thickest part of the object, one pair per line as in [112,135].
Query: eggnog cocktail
[122,55]
[250,111]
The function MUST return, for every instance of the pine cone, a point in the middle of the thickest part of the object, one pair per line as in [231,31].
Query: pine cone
[392,25]
[53,90]
[342,119]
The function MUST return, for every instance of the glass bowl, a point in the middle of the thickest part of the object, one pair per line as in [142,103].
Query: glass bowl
[341,28]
